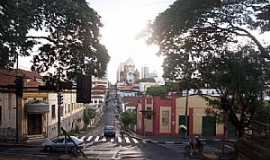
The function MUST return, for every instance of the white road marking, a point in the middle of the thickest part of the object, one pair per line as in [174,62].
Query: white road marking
[96,138]
[127,140]
[82,138]
[119,139]
[89,138]
[103,139]
[135,140]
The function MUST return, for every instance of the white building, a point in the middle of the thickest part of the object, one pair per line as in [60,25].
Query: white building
[127,72]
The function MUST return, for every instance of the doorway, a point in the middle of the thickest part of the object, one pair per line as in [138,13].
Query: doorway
[34,124]
[209,126]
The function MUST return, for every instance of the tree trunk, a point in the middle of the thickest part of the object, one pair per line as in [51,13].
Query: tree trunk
[241,131]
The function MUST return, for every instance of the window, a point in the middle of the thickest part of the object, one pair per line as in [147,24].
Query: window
[53,111]
[148,114]
[68,108]
[65,108]
[165,118]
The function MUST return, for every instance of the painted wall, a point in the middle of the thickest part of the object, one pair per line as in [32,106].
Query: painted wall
[8,116]
[198,105]
[165,120]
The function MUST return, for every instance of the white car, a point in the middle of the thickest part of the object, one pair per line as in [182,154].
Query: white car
[59,144]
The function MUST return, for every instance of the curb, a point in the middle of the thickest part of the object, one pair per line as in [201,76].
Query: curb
[153,141]
[19,145]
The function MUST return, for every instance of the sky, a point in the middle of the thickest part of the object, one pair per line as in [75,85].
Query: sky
[123,20]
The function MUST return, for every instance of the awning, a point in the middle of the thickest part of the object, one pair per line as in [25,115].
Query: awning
[37,107]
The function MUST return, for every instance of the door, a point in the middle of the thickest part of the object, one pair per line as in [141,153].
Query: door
[209,126]
[182,122]
[232,132]
[34,124]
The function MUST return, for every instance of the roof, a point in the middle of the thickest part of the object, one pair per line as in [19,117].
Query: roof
[8,77]
[131,100]
[129,88]
[152,80]
[99,87]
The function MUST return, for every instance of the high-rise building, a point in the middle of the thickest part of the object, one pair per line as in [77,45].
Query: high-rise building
[127,72]
[145,72]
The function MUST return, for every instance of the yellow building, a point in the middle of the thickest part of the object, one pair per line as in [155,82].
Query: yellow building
[199,122]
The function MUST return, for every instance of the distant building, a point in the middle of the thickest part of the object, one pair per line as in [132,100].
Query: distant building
[99,90]
[128,91]
[146,83]
[145,73]
[127,72]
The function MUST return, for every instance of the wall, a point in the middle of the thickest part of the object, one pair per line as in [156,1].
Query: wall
[148,121]
[139,118]
[165,120]
[72,113]
[196,106]
[8,116]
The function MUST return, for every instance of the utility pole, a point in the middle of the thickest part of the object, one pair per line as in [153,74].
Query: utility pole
[17,87]
[59,101]
[186,112]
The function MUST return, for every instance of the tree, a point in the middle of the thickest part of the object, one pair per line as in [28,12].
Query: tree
[237,77]
[128,119]
[211,42]
[88,114]
[157,91]
[71,41]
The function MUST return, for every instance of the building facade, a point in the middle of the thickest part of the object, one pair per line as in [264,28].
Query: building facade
[37,109]
[158,116]
[127,72]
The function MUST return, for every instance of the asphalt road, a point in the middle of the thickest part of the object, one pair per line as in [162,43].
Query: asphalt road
[124,146]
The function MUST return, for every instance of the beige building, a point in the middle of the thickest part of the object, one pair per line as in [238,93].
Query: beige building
[38,110]
[199,123]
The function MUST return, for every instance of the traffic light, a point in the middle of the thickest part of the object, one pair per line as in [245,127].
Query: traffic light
[60,98]
[84,85]
[19,86]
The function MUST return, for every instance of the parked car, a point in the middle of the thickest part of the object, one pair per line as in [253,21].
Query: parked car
[59,144]
[109,131]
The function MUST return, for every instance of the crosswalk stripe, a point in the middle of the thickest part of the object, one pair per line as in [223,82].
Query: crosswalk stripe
[96,138]
[127,140]
[119,139]
[103,139]
[135,140]
[112,140]
[89,138]
[82,138]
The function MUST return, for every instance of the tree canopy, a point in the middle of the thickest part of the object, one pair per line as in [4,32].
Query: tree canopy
[211,43]
[157,91]
[70,39]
